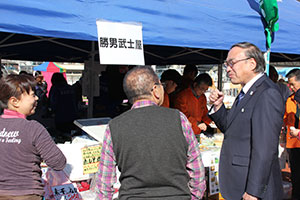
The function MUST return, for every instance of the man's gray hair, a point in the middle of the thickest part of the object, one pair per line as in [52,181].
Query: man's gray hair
[254,52]
[139,82]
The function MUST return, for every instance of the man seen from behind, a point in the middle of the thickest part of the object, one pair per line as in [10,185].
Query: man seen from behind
[153,147]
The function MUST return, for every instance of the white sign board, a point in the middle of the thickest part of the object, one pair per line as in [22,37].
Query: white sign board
[66,192]
[120,43]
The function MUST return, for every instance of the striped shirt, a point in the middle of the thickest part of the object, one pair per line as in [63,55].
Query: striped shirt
[107,166]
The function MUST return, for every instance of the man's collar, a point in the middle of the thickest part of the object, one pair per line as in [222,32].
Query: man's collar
[251,82]
[143,103]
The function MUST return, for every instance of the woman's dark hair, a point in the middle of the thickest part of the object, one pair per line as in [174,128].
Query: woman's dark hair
[14,86]
[58,79]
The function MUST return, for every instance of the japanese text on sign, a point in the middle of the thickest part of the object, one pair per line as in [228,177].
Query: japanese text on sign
[106,42]
[120,43]
[91,158]
[67,192]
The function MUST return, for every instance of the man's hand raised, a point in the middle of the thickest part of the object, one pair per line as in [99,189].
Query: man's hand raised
[216,98]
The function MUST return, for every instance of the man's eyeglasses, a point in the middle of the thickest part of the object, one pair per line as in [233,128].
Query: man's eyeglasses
[231,63]
[162,84]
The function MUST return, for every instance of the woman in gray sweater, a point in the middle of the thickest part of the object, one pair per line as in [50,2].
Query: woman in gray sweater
[23,144]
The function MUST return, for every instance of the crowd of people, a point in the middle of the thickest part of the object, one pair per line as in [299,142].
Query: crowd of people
[154,144]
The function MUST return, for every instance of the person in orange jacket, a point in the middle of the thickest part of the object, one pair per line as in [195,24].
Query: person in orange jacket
[192,102]
[291,120]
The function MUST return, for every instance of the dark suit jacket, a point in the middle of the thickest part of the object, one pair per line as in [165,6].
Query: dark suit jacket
[249,155]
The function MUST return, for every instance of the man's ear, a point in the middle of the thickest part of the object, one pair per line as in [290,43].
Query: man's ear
[157,95]
[14,102]
[155,92]
[252,64]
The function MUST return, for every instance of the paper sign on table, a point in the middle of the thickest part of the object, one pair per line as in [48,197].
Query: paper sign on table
[66,192]
[91,158]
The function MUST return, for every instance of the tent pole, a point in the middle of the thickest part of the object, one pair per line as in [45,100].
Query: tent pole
[91,84]
[220,72]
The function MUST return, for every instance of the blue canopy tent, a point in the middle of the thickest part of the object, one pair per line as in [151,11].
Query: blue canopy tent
[174,32]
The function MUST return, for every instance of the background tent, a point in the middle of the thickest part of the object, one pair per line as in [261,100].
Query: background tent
[49,67]
[174,32]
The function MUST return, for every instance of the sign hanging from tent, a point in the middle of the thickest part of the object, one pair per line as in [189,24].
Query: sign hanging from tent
[120,43]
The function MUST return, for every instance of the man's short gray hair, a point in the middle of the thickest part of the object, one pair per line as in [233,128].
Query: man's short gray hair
[294,73]
[139,82]
[254,52]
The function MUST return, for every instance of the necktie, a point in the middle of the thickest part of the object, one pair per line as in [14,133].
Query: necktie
[240,97]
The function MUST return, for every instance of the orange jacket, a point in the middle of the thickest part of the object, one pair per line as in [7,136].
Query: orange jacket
[289,120]
[194,109]
[166,102]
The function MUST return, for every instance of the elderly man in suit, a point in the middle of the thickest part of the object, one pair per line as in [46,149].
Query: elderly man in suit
[249,166]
